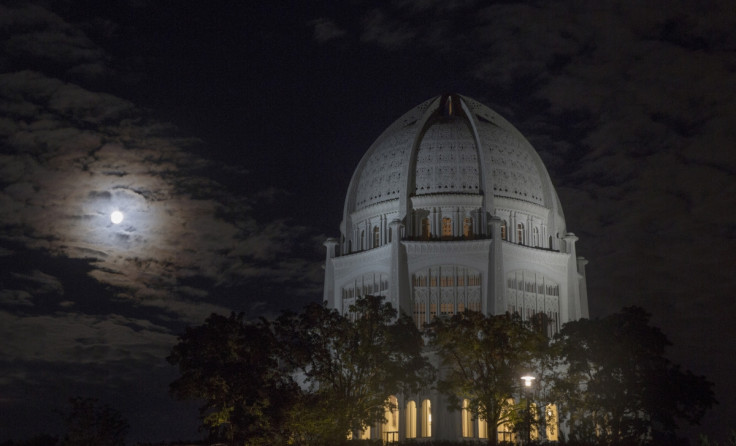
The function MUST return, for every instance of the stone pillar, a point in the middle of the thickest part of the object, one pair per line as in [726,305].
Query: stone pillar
[399,277]
[582,261]
[329,293]
[496,301]
[573,289]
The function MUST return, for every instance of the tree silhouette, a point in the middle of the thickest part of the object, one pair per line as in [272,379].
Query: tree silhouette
[619,388]
[482,359]
[89,423]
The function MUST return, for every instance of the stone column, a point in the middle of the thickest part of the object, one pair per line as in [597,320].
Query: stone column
[399,277]
[573,289]
[329,293]
[582,261]
[496,300]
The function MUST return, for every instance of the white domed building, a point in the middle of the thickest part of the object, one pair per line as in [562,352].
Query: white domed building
[451,209]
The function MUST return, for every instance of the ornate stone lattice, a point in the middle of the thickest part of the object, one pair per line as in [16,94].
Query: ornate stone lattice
[529,293]
[513,170]
[444,289]
[446,160]
[380,179]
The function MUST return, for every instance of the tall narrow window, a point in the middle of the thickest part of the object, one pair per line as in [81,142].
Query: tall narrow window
[446,227]
[420,313]
[468,227]
[362,240]
[390,432]
[411,419]
[376,237]
[503,230]
[426,419]
[535,236]
[467,420]
[390,231]
[520,233]
[426,229]
[550,421]
[483,428]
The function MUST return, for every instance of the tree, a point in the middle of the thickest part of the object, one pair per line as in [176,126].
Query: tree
[619,388]
[351,364]
[482,359]
[89,423]
[233,366]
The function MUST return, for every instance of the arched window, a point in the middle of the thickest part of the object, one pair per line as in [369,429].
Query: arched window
[467,420]
[446,227]
[426,419]
[376,237]
[411,419]
[426,229]
[551,422]
[483,428]
[503,231]
[390,429]
[468,227]
[520,233]
[535,236]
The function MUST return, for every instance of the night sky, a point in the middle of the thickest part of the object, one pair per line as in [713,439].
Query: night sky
[227,132]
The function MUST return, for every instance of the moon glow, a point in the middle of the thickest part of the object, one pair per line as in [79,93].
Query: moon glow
[116,217]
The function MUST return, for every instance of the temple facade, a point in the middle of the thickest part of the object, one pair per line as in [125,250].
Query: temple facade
[450,209]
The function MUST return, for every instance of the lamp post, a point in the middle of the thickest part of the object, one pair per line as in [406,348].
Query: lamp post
[527,388]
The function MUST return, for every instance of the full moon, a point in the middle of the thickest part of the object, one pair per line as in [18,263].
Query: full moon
[116,217]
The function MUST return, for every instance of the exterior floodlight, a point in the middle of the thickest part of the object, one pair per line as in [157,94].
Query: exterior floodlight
[116,217]
[527,380]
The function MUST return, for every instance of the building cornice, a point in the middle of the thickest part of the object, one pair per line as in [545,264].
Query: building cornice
[447,200]
[362,257]
[384,207]
[446,247]
[512,204]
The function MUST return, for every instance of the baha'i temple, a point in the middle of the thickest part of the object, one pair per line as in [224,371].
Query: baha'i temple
[451,209]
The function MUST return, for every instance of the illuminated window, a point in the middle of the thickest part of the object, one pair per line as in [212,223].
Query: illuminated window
[411,419]
[390,432]
[520,233]
[503,230]
[467,420]
[447,308]
[376,237]
[550,420]
[426,419]
[446,227]
[482,428]
[468,227]
[506,428]
[426,229]
[419,314]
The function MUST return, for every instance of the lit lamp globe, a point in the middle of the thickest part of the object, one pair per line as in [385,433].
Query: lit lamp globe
[116,217]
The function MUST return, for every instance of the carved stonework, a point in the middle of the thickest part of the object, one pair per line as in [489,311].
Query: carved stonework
[380,179]
[447,160]
[514,172]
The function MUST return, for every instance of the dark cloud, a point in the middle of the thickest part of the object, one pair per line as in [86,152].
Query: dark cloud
[326,30]
[80,291]
[631,105]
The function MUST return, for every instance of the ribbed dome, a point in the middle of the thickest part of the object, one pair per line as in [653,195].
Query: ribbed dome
[450,144]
